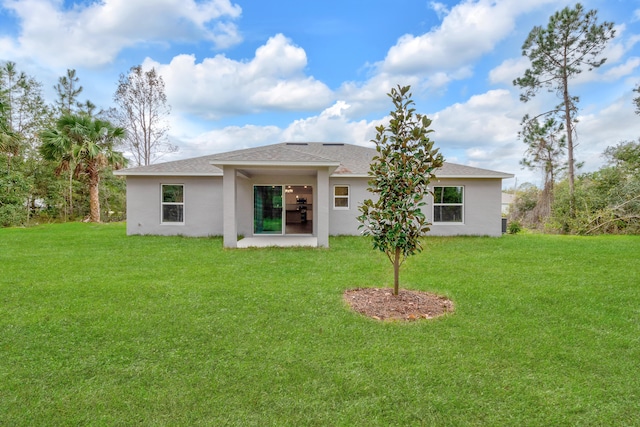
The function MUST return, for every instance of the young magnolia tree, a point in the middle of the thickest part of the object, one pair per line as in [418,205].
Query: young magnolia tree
[399,176]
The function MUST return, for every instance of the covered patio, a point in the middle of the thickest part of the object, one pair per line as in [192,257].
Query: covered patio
[256,184]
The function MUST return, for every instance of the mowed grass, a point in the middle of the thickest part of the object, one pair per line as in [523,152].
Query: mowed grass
[97,328]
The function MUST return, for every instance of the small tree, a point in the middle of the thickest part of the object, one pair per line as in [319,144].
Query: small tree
[399,176]
[68,91]
[546,145]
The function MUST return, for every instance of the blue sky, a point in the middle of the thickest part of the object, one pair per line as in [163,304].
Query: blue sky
[247,73]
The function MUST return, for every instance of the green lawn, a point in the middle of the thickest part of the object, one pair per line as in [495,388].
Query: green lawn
[102,329]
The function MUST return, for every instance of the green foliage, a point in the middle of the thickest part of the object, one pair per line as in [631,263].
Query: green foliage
[88,143]
[68,92]
[36,188]
[14,192]
[546,145]
[514,227]
[113,196]
[626,156]
[572,42]
[399,177]
[607,201]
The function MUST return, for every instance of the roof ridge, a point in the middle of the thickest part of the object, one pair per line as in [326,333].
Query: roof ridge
[287,147]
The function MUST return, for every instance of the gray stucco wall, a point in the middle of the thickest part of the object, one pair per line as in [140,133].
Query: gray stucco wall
[482,208]
[482,204]
[202,212]
[344,221]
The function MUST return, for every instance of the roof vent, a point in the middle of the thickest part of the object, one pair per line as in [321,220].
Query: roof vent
[333,144]
[297,143]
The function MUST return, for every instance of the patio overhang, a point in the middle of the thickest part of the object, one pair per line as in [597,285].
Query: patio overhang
[252,168]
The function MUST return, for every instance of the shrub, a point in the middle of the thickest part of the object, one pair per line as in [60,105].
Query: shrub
[514,227]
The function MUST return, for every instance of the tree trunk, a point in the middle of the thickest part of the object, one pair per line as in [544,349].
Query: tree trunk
[94,196]
[396,272]
[570,160]
[70,217]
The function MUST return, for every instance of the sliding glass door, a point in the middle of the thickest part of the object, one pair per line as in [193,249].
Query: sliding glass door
[267,209]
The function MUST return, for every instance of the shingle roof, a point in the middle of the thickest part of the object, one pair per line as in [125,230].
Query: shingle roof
[351,160]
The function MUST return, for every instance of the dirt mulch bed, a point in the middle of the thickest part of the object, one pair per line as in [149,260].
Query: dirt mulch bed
[381,304]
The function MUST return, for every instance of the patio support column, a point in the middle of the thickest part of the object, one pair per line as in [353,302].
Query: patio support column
[321,212]
[229,219]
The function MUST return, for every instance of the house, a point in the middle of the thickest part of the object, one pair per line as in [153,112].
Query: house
[293,193]
[508,200]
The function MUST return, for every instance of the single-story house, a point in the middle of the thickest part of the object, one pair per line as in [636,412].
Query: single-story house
[293,190]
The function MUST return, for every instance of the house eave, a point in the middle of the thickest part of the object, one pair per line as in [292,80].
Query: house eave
[503,176]
[349,175]
[156,173]
[273,164]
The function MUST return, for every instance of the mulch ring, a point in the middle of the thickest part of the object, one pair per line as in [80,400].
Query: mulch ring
[381,304]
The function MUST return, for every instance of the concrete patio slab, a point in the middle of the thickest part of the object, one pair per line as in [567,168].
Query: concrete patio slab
[278,241]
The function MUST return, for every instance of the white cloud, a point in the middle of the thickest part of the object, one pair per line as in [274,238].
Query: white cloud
[622,70]
[468,31]
[484,131]
[431,61]
[93,35]
[273,80]
[227,139]
[486,118]
[440,9]
[330,125]
[608,126]
[509,70]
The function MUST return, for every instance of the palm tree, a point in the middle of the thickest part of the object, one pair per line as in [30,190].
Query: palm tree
[88,143]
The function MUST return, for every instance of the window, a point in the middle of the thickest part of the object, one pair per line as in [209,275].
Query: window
[341,197]
[172,204]
[448,204]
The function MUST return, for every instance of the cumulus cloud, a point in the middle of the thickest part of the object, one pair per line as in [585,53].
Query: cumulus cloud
[331,125]
[468,31]
[274,80]
[429,62]
[226,139]
[606,127]
[92,35]
[509,70]
[482,130]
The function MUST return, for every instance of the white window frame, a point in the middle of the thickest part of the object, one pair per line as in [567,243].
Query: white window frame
[436,204]
[163,204]
[347,197]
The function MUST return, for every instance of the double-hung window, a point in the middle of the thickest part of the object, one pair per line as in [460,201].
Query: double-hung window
[448,204]
[172,204]
[341,197]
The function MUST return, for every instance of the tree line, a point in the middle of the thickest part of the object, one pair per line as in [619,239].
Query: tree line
[605,201]
[56,160]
